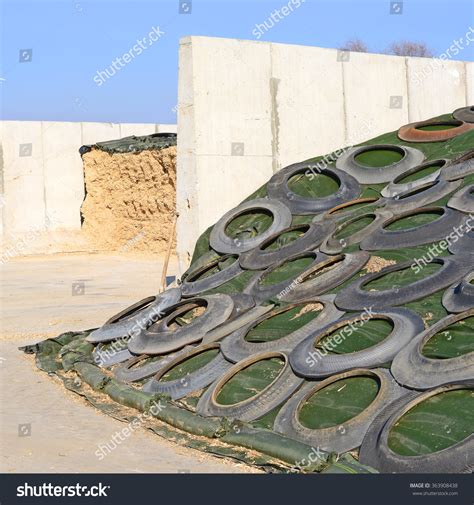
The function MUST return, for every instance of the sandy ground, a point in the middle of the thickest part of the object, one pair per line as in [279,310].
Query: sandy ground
[43,427]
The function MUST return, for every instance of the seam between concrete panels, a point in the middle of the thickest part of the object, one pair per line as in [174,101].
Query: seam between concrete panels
[45,201]
[344,104]
[466,91]
[407,80]
[274,116]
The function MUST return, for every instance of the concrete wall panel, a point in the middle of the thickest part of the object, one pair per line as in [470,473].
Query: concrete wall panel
[435,87]
[63,174]
[308,111]
[23,177]
[375,95]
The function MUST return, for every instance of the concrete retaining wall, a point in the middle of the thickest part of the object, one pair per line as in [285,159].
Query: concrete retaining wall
[247,109]
[41,174]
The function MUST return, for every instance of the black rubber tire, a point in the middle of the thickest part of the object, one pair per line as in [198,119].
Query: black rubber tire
[258,405]
[333,245]
[160,339]
[411,369]
[460,167]
[337,213]
[263,293]
[353,297]
[277,187]
[460,296]
[235,348]
[132,319]
[225,244]
[351,264]
[464,244]
[230,326]
[424,195]
[131,371]
[190,383]
[367,175]
[375,452]
[383,239]
[463,200]
[259,259]
[395,188]
[192,285]
[406,325]
[349,435]
[465,114]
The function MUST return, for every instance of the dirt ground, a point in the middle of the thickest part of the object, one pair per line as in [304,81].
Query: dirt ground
[43,427]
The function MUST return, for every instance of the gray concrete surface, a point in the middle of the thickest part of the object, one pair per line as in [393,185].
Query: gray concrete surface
[43,427]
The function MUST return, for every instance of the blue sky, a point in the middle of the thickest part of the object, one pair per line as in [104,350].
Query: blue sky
[70,40]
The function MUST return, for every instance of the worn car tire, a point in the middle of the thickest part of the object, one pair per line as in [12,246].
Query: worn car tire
[353,297]
[341,438]
[258,405]
[406,325]
[277,188]
[132,319]
[375,452]
[222,243]
[235,348]
[414,370]
[367,175]
[159,338]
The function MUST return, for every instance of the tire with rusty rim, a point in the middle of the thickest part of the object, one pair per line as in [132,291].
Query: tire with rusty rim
[368,175]
[349,435]
[375,452]
[235,348]
[406,325]
[412,369]
[258,405]
[412,132]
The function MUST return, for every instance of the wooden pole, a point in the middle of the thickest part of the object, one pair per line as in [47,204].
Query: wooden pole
[168,253]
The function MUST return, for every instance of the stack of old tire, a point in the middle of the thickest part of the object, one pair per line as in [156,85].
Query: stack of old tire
[312,237]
